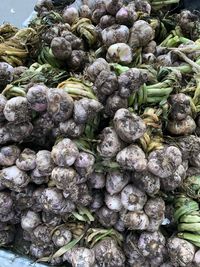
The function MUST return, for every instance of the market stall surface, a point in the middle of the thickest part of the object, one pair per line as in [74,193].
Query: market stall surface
[16,11]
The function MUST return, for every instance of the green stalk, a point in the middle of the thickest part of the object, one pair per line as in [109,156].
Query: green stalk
[119,69]
[153,93]
[193,238]
[195,66]
[166,40]
[137,57]
[187,208]
[197,108]
[11,90]
[191,227]
[184,40]
[153,100]
[184,69]
[196,97]
[41,73]
[75,83]
[189,48]
[145,70]
[181,200]
[82,84]
[14,94]
[164,3]
[25,78]
[157,85]
[174,42]
[189,218]
[131,100]
[79,92]
[18,91]
[12,52]
[159,93]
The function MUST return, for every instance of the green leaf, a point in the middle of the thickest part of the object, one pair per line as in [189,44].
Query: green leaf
[67,247]
[193,238]
[190,218]
[100,237]
[44,259]
[119,69]
[97,234]
[191,227]
[94,232]
[186,209]
[85,211]
[79,217]
[84,146]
